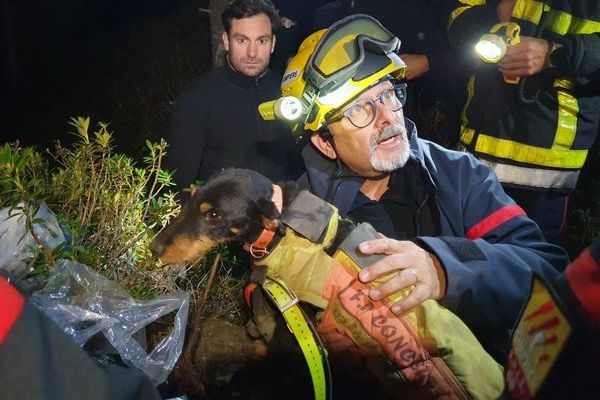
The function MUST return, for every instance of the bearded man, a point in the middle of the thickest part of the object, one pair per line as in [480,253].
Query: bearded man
[448,229]
[216,124]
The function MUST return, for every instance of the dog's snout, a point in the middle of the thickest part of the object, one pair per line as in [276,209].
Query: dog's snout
[157,248]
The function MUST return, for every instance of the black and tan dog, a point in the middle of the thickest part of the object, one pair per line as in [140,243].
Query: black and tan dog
[291,233]
[234,205]
[243,205]
[238,205]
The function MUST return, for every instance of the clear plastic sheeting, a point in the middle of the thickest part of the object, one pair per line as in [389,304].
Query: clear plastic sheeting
[84,303]
[17,243]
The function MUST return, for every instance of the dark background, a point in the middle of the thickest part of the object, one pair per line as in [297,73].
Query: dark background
[117,61]
[125,61]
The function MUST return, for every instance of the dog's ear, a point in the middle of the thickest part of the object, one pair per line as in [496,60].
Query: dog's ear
[269,215]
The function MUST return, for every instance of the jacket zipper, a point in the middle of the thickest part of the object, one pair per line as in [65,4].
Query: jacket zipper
[419,208]
[335,193]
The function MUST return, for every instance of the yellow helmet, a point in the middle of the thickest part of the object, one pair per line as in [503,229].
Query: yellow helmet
[332,67]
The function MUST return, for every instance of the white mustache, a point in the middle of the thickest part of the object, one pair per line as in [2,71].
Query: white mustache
[389,132]
[390,162]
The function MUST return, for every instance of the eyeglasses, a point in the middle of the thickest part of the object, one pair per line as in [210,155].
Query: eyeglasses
[364,112]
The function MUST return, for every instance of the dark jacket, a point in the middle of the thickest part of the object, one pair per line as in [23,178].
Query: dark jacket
[216,125]
[487,246]
[38,361]
[538,131]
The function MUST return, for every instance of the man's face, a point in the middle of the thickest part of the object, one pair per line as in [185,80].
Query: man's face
[250,44]
[381,146]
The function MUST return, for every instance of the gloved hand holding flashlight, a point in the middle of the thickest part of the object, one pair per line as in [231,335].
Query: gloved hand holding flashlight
[493,46]
[517,56]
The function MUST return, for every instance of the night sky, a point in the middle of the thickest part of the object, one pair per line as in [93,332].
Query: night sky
[121,62]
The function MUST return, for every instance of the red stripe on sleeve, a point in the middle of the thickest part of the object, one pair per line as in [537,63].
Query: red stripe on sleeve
[583,276]
[494,220]
[11,304]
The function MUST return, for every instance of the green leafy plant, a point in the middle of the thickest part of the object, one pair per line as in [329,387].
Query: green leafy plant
[21,175]
[105,203]
[110,208]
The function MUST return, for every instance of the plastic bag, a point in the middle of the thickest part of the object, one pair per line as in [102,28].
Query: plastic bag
[84,303]
[16,242]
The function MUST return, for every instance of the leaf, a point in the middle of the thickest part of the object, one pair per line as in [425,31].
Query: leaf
[6,154]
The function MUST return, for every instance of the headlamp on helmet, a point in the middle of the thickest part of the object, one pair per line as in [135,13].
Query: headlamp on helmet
[334,65]
[287,108]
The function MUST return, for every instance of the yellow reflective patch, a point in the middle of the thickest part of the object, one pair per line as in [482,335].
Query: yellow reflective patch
[584,26]
[528,10]
[564,23]
[530,154]
[560,155]
[564,84]
[556,21]
[466,135]
[472,2]
[568,108]
[537,342]
[512,150]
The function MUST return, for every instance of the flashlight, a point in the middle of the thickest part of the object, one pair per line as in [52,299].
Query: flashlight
[286,108]
[492,46]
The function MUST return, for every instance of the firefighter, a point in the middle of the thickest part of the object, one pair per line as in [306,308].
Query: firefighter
[536,130]
[453,235]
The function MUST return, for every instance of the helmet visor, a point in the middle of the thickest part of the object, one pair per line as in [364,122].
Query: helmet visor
[341,51]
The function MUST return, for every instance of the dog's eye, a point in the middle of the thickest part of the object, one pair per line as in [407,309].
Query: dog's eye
[213,217]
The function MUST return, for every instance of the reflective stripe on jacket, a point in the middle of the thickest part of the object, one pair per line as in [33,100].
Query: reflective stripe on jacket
[543,140]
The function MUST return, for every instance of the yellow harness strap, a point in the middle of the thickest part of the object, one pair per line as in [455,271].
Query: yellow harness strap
[314,352]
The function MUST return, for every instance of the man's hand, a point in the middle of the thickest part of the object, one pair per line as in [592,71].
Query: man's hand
[413,266]
[504,9]
[417,65]
[525,58]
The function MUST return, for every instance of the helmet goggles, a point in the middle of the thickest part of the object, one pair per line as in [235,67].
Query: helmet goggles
[341,51]
[333,66]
